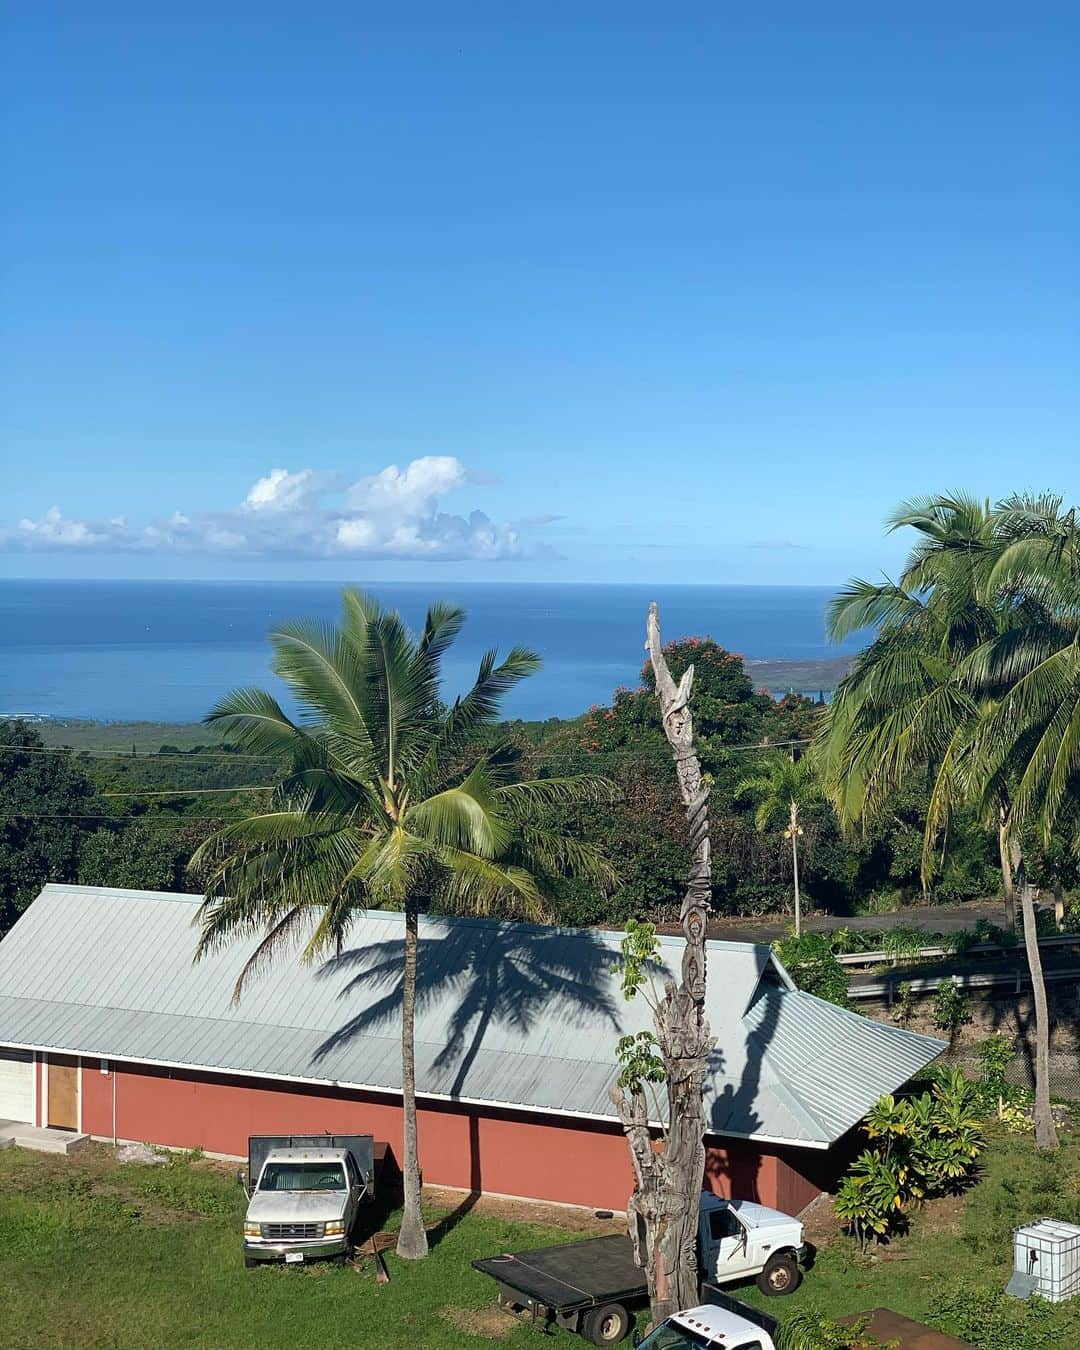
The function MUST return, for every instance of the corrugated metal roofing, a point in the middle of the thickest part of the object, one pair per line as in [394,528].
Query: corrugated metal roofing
[512,1014]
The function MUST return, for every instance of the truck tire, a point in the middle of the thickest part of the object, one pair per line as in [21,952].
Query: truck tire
[607,1325]
[250,1263]
[780,1276]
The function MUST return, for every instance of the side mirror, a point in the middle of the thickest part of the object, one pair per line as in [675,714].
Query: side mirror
[241,1178]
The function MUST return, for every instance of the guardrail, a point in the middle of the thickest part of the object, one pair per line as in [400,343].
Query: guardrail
[990,979]
[882,958]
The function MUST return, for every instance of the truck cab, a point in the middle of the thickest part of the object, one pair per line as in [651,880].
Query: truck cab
[303,1205]
[700,1328]
[738,1239]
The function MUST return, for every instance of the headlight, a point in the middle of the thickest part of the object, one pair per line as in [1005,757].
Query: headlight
[335,1228]
[252,1230]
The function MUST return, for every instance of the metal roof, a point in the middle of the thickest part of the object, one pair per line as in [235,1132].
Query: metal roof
[512,1015]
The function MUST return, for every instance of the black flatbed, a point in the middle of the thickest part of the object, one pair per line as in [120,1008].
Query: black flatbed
[569,1277]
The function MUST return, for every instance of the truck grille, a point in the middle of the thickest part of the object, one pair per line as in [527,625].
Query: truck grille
[292,1231]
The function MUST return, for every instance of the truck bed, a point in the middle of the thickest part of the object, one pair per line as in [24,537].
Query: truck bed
[570,1276]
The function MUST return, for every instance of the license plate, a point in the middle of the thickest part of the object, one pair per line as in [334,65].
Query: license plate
[293,1257]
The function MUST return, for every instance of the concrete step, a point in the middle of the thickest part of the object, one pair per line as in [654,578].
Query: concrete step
[39,1138]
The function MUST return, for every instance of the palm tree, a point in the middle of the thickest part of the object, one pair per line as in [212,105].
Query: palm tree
[972,617]
[901,709]
[1032,733]
[388,800]
[783,790]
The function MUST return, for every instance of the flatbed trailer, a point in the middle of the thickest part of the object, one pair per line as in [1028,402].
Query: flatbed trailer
[590,1286]
[587,1286]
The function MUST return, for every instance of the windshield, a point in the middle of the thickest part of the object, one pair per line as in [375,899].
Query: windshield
[673,1338]
[308,1176]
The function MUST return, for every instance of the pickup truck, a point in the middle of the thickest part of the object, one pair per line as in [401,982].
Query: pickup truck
[306,1195]
[590,1286]
[699,1328]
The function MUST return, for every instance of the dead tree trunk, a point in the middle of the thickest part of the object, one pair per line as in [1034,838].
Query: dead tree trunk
[663,1210]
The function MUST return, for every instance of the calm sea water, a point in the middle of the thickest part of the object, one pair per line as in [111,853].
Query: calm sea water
[166,651]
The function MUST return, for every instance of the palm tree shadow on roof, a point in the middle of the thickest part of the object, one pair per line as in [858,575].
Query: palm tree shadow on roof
[734,1107]
[484,975]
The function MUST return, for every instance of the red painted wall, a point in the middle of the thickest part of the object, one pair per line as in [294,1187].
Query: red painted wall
[500,1152]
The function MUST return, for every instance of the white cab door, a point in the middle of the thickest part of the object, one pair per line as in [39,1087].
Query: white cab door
[726,1247]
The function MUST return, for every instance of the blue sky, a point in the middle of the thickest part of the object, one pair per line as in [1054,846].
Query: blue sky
[563,291]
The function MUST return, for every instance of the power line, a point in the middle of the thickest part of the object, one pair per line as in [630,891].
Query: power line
[631,750]
[191,792]
[152,757]
[149,821]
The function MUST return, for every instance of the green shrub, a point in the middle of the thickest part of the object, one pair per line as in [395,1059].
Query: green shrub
[903,944]
[921,1147]
[991,1320]
[904,1007]
[812,964]
[952,1007]
[811,1329]
[997,1096]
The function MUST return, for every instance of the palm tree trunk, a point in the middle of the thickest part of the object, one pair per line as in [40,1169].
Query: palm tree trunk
[412,1239]
[1008,886]
[795,866]
[1045,1130]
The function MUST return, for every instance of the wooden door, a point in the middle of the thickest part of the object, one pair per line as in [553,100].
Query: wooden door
[63,1111]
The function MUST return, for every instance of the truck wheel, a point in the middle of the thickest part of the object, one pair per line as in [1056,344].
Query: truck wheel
[780,1276]
[250,1263]
[606,1325]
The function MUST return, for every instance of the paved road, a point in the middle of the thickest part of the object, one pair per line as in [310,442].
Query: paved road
[934,918]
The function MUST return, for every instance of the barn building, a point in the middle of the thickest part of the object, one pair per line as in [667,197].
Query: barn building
[108,1028]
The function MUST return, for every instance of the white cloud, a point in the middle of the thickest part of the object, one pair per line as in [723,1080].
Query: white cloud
[395,513]
[280,490]
[54,530]
[414,490]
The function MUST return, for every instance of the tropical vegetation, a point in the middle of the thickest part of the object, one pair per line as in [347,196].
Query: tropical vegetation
[179,784]
[973,684]
[920,1147]
[388,801]
[783,789]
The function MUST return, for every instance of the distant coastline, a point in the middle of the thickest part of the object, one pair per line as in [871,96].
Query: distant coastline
[153,652]
[147,737]
[797,676]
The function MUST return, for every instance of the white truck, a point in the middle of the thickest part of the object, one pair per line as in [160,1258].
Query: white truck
[589,1287]
[304,1196]
[700,1328]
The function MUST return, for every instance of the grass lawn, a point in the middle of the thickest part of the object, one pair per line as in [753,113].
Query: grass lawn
[94,1254]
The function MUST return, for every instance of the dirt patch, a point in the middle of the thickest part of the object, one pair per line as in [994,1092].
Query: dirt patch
[942,1216]
[525,1211]
[156,1215]
[491,1323]
[820,1223]
[91,1162]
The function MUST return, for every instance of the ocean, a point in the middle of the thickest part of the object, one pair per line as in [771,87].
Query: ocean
[166,651]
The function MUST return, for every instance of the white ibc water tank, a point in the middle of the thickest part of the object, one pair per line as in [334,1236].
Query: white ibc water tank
[1046,1260]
